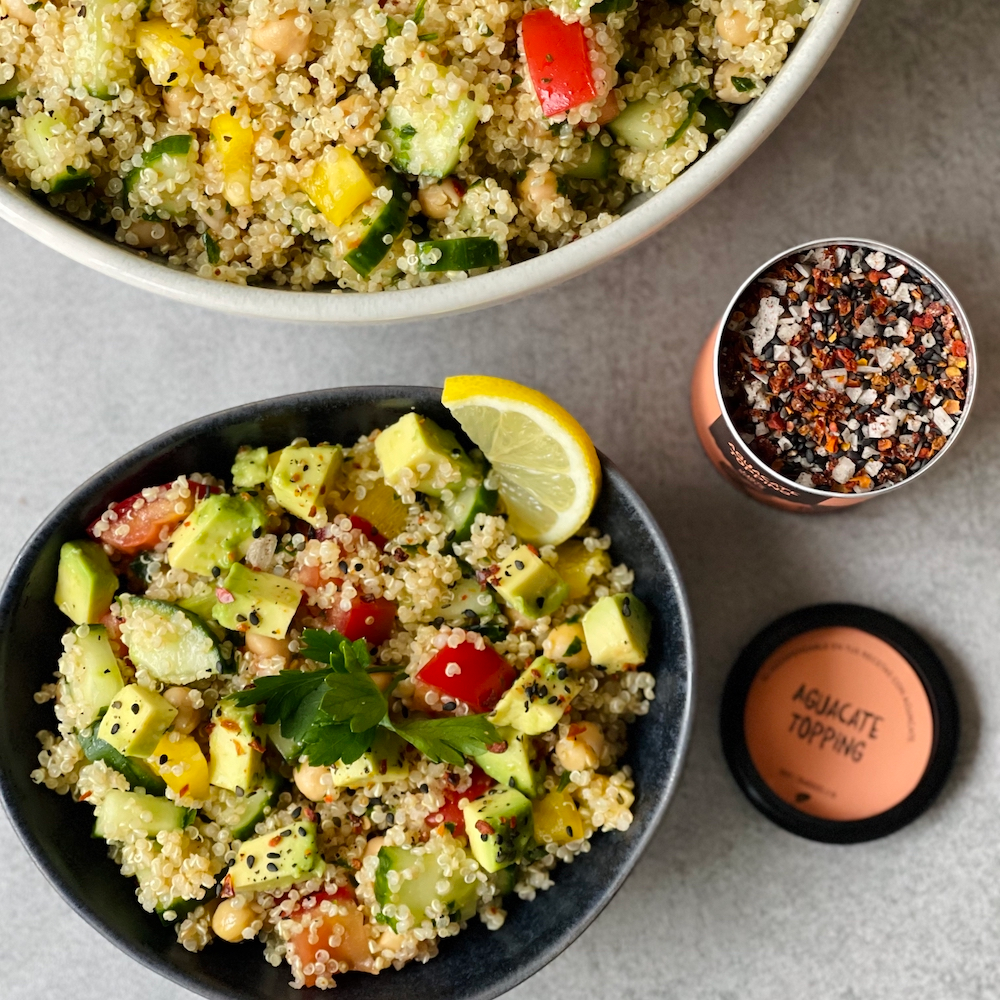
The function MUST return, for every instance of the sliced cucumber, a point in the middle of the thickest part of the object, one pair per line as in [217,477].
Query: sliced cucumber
[173,644]
[91,670]
[467,503]
[611,6]
[47,135]
[419,884]
[10,91]
[464,253]
[258,805]
[469,603]
[122,813]
[290,750]
[427,136]
[136,771]
[382,230]
[594,165]
[634,128]
[178,908]
[99,63]
[171,161]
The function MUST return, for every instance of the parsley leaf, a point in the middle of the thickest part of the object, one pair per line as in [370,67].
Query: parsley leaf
[327,742]
[451,739]
[354,699]
[283,694]
[743,84]
[563,781]
[418,14]
[342,655]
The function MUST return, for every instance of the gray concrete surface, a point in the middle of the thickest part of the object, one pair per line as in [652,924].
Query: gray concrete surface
[897,140]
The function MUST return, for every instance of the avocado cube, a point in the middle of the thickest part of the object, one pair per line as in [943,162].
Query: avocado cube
[135,721]
[416,454]
[250,468]
[91,670]
[419,883]
[235,748]
[538,698]
[617,628]
[386,761]
[86,583]
[303,477]
[516,766]
[214,533]
[277,859]
[261,603]
[499,826]
[529,585]
[121,814]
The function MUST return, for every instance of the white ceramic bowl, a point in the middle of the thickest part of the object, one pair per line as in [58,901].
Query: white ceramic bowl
[643,215]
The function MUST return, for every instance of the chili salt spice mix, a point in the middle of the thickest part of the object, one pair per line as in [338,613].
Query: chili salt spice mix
[843,368]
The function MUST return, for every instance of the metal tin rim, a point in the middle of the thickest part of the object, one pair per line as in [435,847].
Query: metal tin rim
[907,258]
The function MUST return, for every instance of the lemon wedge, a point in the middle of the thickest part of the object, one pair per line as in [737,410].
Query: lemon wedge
[548,470]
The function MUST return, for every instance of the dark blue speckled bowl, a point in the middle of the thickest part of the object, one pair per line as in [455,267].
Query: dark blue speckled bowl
[477,964]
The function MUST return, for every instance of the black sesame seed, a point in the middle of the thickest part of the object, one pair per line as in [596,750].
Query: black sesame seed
[540,601]
[449,706]
[296,812]
[518,564]
[288,833]
[450,536]
[390,818]
[135,708]
[302,831]
[359,567]
[424,788]
[470,613]
[626,608]
[274,854]
[250,860]
[553,700]
[438,622]
[510,782]
[569,831]
[343,566]
[163,758]
[216,572]
[484,837]
[240,791]
[241,618]
[254,618]
[271,866]
[115,728]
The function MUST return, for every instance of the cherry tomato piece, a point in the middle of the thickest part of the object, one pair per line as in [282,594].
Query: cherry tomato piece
[451,811]
[481,677]
[368,619]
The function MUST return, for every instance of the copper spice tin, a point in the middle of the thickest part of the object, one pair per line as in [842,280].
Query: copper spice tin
[730,454]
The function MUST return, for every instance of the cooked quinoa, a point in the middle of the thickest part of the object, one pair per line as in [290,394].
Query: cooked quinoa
[349,145]
[176,816]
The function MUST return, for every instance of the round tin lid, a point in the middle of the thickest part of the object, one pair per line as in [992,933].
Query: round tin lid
[839,723]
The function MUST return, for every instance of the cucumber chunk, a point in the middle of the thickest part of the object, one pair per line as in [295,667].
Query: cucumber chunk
[122,813]
[382,230]
[463,507]
[469,603]
[465,253]
[99,63]
[174,645]
[594,164]
[420,873]
[158,183]
[10,91]
[135,770]
[258,805]
[55,150]
[634,128]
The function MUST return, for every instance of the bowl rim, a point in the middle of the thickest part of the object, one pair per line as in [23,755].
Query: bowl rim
[117,469]
[752,127]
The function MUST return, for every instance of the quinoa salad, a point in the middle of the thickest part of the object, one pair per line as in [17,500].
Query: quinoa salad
[363,146]
[334,704]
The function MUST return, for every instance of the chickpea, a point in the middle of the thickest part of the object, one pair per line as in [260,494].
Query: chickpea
[177,101]
[609,110]
[285,36]
[382,679]
[581,748]
[265,646]
[357,129]
[232,917]
[563,638]
[724,88]
[20,11]
[188,718]
[373,846]
[438,201]
[146,234]
[313,782]
[735,28]
[539,188]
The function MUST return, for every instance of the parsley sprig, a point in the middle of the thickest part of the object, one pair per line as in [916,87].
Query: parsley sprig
[334,714]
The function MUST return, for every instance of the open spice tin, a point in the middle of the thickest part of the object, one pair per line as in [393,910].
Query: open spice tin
[730,452]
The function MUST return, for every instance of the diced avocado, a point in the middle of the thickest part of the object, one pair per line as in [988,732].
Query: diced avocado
[174,645]
[516,766]
[503,882]
[425,130]
[386,761]
[277,859]
[250,468]
[420,874]
[135,770]
[380,507]
[258,806]
[538,698]
[557,819]
[86,583]
[578,566]
[529,585]
[303,478]
[499,826]
[416,454]
[182,765]
[135,721]
[466,603]
[91,670]
[235,748]
[123,813]
[617,628]
[215,532]
[202,602]
[261,602]
[462,506]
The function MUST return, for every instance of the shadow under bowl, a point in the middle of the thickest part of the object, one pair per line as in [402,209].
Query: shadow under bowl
[477,964]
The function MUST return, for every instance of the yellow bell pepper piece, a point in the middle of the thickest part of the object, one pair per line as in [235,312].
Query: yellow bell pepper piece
[338,185]
[172,755]
[578,567]
[232,142]
[557,819]
[380,507]
[172,58]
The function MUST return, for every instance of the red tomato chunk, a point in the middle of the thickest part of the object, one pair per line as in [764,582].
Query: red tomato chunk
[478,677]
[347,930]
[367,529]
[451,811]
[558,60]
[145,519]
[369,619]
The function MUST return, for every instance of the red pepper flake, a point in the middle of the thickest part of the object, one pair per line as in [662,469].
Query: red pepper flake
[484,828]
